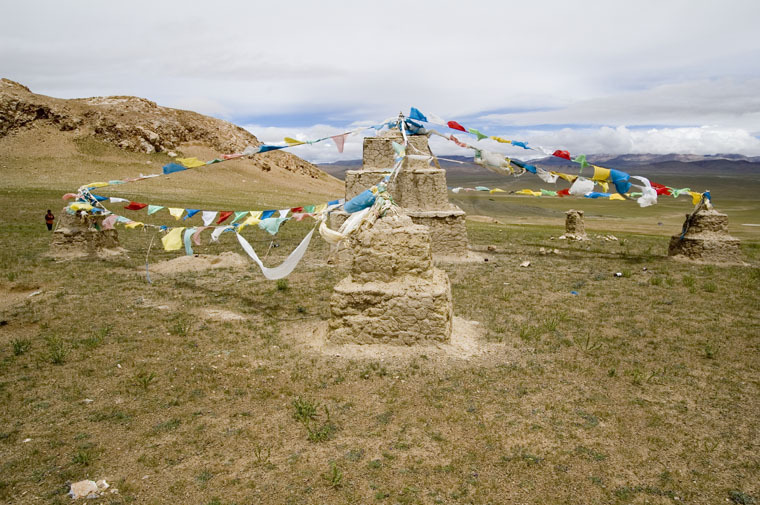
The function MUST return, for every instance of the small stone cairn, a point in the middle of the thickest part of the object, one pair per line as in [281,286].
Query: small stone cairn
[705,238]
[393,293]
[82,234]
[419,189]
[574,226]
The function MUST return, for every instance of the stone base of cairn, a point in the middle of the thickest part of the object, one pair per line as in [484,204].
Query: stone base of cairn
[706,239]
[82,234]
[575,229]
[393,294]
[419,189]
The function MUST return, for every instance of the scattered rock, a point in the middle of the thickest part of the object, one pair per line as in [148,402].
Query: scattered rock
[525,264]
[83,489]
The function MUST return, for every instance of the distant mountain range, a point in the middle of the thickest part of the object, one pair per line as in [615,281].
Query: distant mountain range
[646,164]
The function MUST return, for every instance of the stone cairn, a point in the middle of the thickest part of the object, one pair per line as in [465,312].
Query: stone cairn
[419,189]
[575,229]
[82,234]
[705,238]
[393,293]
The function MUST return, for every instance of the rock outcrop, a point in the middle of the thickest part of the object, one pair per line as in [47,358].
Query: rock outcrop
[131,123]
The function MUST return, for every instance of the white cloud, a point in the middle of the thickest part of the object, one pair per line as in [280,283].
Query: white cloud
[622,140]
[678,63]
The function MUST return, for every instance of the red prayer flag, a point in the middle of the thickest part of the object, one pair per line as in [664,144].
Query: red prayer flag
[296,210]
[223,216]
[562,154]
[455,126]
[661,190]
[136,206]
[564,192]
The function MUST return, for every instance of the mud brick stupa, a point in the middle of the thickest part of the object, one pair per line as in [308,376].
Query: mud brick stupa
[393,294]
[419,189]
[706,239]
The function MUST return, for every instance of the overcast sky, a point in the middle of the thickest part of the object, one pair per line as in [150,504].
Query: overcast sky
[589,76]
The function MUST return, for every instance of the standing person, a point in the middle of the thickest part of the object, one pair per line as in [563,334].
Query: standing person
[49,219]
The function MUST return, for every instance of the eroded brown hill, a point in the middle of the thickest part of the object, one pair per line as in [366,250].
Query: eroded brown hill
[133,124]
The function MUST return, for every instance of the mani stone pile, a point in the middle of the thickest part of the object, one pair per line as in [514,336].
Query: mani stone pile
[706,239]
[82,234]
[393,293]
[419,189]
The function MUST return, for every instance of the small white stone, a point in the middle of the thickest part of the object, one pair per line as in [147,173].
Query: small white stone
[525,264]
[83,488]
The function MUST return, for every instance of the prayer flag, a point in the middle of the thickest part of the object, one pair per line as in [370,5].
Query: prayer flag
[173,167]
[562,154]
[416,114]
[477,134]
[208,217]
[455,126]
[177,213]
[173,240]
[190,213]
[339,141]
[135,206]
[152,209]
[223,216]
[239,215]
[191,162]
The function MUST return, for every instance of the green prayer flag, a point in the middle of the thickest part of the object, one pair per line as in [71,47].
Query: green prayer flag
[239,215]
[477,133]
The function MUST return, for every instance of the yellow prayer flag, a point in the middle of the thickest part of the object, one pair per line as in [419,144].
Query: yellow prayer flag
[250,220]
[97,185]
[600,173]
[616,196]
[528,192]
[191,162]
[501,140]
[133,224]
[293,142]
[567,177]
[173,240]
[695,197]
[80,206]
[496,190]
[320,208]
[605,186]
[177,213]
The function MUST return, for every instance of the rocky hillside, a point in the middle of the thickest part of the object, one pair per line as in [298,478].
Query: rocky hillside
[133,124]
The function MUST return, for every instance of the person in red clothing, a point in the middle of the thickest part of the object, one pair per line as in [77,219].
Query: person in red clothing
[49,219]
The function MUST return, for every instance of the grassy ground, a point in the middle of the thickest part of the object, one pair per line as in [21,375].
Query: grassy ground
[641,388]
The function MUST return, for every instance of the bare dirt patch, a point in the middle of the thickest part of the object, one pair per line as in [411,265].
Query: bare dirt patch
[200,263]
